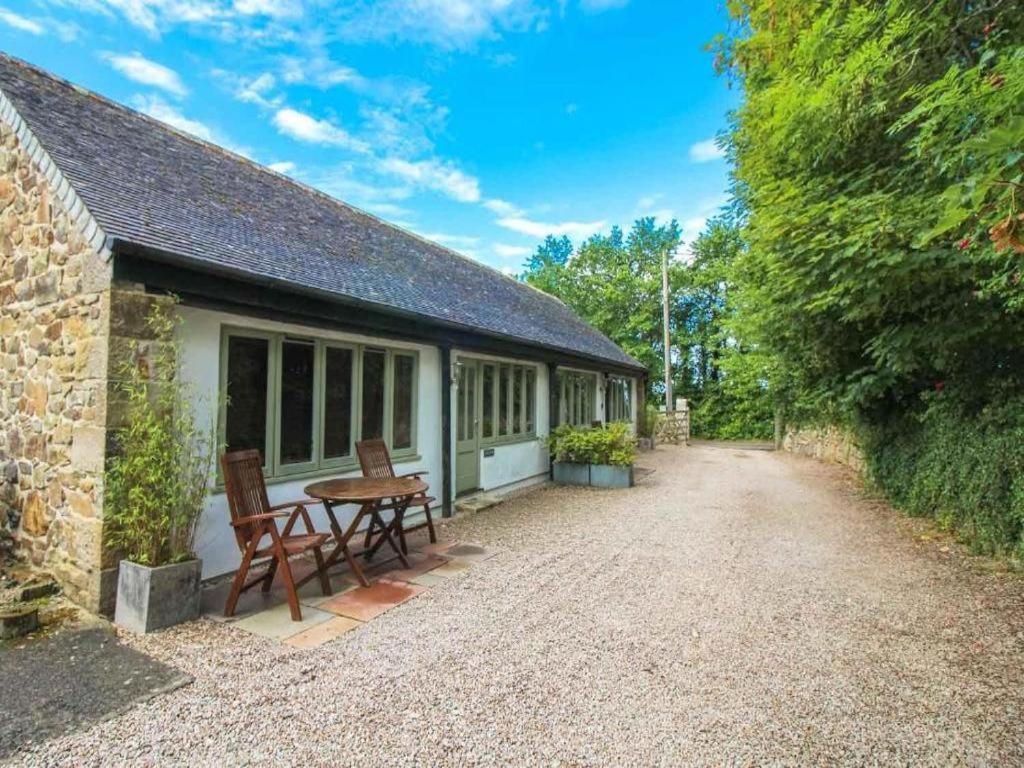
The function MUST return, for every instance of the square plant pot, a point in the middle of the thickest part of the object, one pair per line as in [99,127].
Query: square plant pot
[154,598]
[609,476]
[571,474]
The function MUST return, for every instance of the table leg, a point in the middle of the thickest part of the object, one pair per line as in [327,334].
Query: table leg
[386,531]
[342,538]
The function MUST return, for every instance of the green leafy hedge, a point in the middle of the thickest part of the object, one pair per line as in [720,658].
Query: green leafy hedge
[613,444]
[962,467]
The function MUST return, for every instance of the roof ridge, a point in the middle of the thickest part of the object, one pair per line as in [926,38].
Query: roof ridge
[307,188]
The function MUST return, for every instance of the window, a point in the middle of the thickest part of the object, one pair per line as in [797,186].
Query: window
[373,394]
[487,420]
[576,398]
[619,399]
[507,402]
[303,403]
[295,437]
[247,379]
[402,401]
[339,371]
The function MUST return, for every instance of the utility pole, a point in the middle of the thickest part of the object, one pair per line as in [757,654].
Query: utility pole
[668,349]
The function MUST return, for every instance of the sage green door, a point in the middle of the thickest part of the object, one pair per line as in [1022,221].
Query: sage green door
[467,432]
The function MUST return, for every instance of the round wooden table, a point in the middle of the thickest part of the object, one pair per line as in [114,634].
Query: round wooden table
[373,495]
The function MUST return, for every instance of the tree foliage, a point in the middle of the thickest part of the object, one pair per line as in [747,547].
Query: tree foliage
[879,157]
[614,281]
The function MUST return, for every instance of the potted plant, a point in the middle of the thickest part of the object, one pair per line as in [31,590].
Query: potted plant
[601,457]
[156,484]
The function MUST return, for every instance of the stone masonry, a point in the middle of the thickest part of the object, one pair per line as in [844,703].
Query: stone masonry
[831,444]
[54,319]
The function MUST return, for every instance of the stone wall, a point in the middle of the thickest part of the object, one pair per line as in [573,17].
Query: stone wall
[826,444]
[54,319]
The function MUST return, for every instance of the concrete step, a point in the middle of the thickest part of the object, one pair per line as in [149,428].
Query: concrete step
[476,503]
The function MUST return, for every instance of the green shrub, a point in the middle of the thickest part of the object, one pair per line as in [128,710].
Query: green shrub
[157,480]
[961,466]
[613,444]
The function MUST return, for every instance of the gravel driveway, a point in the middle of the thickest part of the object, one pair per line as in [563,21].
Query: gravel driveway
[736,607]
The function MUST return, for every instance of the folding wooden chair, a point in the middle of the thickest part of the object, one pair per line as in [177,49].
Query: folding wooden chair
[254,519]
[375,461]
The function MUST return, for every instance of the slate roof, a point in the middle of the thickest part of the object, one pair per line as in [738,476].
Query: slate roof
[154,187]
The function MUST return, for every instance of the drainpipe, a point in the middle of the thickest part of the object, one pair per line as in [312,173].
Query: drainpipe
[446,431]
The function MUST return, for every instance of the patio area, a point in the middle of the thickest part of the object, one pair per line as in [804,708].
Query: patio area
[328,617]
[735,607]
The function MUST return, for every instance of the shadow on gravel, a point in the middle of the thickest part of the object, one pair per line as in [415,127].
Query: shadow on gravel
[72,679]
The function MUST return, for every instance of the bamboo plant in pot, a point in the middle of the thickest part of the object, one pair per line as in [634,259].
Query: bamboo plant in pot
[156,483]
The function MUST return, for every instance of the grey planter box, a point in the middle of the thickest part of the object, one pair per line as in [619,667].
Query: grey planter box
[571,474]
[154,598]
[608,476]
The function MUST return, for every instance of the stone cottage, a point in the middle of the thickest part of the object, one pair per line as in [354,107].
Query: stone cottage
[324,325]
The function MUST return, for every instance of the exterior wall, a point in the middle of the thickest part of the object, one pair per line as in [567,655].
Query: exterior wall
[54,322]
[513,464]
[201,334]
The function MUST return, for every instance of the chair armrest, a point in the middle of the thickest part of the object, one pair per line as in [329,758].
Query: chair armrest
[415,474]
[257,518]
[294,504]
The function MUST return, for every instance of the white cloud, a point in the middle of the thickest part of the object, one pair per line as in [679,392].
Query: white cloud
[303,127]
[254,90]
[571,108]
[271,8]
[512,251]
[706,151]
[285,167]
[21,23]
[435,174]
[503,208]
[137,67]
[510,271]
[577,230]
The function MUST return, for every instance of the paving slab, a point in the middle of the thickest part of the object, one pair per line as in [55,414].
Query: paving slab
[324,632]
[419,564]
[55,684]
[365,603]
[451,568]
[276,623]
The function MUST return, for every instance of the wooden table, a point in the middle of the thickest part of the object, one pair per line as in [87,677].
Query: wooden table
[372,495]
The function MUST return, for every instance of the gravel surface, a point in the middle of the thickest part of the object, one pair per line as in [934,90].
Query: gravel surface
[737,607]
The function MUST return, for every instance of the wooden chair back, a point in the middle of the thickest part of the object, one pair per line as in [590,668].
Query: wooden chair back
[374,459]
[246,490]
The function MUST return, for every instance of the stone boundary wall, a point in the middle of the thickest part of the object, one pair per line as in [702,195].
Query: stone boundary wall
[832,444]
[54,324]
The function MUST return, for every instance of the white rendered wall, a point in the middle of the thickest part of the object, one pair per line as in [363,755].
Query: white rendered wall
[201,337]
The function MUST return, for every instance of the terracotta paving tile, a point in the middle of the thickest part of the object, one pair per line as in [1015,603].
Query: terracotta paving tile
[277,623]
[323,632]
[364,603]
[311,593]
[420,564]
[451,568]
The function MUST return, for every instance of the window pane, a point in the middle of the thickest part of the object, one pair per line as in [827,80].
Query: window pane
[246,418]
[487,429]
[402,403]
[296,438]
[338,402]
[373,395]
[531,395]
[503,401]
[517,400]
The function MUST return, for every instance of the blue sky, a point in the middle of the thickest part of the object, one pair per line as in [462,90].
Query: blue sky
[482,124]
